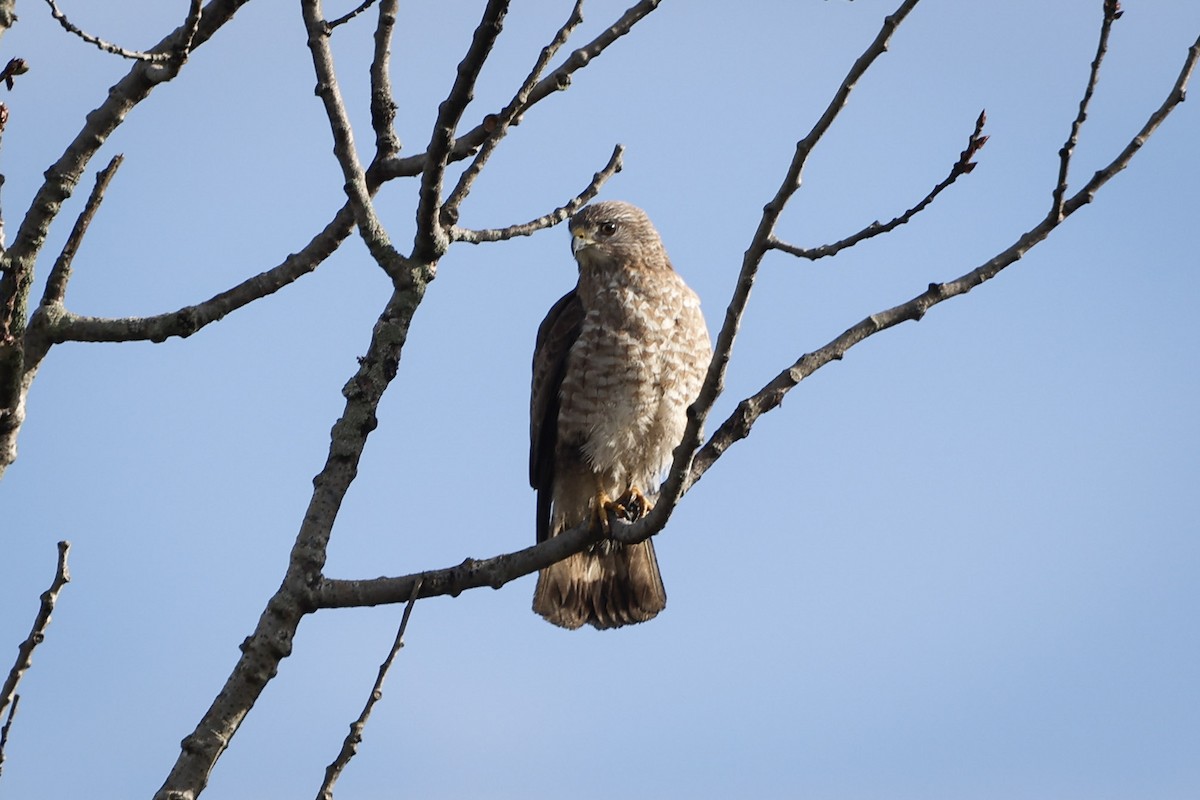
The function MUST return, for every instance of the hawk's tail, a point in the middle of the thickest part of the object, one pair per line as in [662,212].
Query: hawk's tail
[607,586]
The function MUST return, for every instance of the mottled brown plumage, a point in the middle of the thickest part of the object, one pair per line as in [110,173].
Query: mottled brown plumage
[618,360]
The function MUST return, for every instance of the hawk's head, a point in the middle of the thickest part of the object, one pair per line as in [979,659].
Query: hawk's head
[616,234]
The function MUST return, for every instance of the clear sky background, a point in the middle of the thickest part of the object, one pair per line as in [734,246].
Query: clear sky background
[961,563]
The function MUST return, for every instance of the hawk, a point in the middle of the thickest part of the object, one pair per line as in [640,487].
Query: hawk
[618,360]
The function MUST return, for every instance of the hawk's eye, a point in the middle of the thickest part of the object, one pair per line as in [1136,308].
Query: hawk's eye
[608,228]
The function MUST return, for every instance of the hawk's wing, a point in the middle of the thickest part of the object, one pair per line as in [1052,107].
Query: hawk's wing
[556,334]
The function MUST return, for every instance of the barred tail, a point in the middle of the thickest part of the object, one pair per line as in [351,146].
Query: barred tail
[607,586]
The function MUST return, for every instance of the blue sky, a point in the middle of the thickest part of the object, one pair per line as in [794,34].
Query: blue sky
[961,563]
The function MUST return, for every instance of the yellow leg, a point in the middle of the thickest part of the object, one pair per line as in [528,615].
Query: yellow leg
[601,506]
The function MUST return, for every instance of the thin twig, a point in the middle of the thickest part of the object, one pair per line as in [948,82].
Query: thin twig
[62,576]
[500,123]
[963,166]
[12,712]
[1112,12]
[60,273]
[354,737]
[108,47]
[556,216]
[342,20]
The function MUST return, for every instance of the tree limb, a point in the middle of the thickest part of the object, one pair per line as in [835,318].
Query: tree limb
[738,425]
[500,123]
[383,104]
[354,737]
[556,216]
[357,191]
[272,639]
[557,80]
[1112,12]
[60,273]
[672,490]
[431,239]
[37,634]
[193,20]
[342,20]
[963,166]
[17,262]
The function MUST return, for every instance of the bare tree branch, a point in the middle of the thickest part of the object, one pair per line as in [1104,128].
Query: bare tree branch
[272,638]
[12,712]
[37,634]
[193,19]
[17,262]
[501,122]
[963,166]
[1112,12]
[57,325]
[557,80]
[472,573]
[556,216]
[431,238]
[60,273]
[738,425]
[342,20]
[714,381]
[357,191]
[383,106]
[354,737]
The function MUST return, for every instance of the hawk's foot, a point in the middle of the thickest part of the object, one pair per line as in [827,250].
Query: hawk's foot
[601,508]
[633,505]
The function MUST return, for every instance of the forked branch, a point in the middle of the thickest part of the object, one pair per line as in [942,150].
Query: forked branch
[432,239]
[357,189]
[1112,12]
[963,166]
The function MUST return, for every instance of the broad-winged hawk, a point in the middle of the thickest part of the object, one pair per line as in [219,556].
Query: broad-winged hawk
[618,361]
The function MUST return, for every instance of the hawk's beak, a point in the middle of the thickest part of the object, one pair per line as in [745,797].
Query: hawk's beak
[579,240]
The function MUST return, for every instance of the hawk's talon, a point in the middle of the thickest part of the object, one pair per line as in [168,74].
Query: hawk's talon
[629,507]
[633,505]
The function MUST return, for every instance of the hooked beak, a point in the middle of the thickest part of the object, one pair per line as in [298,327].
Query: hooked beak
[579,240]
